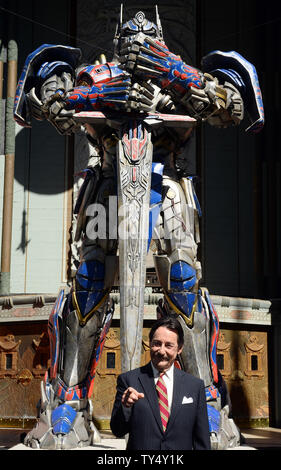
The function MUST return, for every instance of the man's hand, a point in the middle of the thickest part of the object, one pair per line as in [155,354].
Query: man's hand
[130,397]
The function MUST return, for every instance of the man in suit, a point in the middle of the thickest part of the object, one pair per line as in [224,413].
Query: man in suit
[165,414]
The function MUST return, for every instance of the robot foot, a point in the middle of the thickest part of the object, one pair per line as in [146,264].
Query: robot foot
[224,432]
[63,425]
[62,428]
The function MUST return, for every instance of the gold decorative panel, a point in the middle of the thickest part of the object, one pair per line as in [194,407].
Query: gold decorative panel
[246,372]
[9,350]
[255,356]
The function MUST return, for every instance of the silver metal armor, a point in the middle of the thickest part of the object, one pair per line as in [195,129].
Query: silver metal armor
[138,111]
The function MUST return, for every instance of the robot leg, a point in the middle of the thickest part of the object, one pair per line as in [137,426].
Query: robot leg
[78,326]
[179,273]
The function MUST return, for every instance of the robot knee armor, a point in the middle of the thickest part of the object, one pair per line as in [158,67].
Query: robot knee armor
[179,279]
[93,282]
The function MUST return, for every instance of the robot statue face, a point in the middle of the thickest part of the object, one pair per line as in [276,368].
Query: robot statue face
[139,24]
[126,32]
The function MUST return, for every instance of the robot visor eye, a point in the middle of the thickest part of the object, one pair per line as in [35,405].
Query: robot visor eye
[151,32]
[127,32]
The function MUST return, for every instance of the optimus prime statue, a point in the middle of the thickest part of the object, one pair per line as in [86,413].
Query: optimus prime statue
[139,111]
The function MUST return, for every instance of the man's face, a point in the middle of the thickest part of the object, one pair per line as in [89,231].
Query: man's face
[164,348]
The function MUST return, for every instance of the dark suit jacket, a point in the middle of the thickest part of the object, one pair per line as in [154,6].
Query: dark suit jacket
[187,427]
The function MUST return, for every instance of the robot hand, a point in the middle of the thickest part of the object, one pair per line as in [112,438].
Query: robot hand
[146,57]
[54,111]
[113,94]
[230,110]
[140,97]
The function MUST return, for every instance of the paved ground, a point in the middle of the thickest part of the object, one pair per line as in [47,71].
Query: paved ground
[255,439]
[263,438]
[11,439]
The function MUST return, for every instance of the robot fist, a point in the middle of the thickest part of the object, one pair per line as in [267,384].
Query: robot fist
[140,97]
[54,111]
[146,57]
[231,110]
[113,94]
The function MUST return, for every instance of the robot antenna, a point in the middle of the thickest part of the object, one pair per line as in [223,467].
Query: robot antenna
[121,15]
[120,22]
[158,22]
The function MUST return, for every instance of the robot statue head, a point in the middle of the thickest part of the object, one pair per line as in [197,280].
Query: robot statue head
[125,32]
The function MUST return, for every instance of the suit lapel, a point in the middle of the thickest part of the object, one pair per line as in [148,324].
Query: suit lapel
[147,380]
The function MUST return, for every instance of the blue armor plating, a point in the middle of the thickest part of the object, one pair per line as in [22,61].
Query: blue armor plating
[183,276]
[49,68]
[62,419]
[185,302]
[182,279]
[89,285]
[214,419]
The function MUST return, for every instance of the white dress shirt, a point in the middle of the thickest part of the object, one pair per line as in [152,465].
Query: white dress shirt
[168,378]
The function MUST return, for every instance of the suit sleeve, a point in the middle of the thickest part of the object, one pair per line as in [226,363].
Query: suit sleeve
[120,417]
[201,434]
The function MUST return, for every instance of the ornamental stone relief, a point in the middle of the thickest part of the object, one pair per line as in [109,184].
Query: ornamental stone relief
[254,354]
[9,352]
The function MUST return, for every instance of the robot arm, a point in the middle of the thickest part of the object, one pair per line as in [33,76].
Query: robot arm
[46,89]
[110,87]
[59,99]
[216,96]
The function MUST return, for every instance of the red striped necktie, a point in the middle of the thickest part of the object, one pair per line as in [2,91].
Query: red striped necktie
[163,401]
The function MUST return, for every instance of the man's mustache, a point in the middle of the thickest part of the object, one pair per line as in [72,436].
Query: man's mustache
[160,356]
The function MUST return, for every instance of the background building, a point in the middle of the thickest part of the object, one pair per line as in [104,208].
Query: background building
[238,185]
